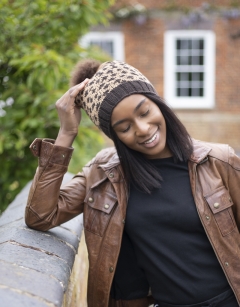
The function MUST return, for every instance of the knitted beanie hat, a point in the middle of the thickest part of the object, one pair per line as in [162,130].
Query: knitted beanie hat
[111,83]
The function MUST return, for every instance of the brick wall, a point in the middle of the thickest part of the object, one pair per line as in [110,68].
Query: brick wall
[227,65]
[144,49]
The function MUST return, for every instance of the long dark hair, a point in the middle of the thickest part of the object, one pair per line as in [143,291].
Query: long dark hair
[138,170]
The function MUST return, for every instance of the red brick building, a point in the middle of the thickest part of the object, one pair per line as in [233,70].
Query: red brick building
[190,51]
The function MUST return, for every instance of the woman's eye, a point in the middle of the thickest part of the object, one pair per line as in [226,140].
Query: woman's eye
[145,114]
[126,130]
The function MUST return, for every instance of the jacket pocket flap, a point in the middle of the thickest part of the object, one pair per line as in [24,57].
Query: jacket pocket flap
[101,201]
[219,200]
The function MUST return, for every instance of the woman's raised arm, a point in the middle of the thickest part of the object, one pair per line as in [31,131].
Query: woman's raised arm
[69,115]
[48,205]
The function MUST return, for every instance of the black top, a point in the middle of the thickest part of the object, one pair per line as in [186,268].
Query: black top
[165,246]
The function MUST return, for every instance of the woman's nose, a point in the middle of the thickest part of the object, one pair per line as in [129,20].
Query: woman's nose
[142,128]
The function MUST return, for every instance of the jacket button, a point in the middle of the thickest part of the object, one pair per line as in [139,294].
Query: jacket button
[90,199]
[106,206]
[207,217]
[123,221]
[111,269]
[226,263]
[216,205]
[111,175]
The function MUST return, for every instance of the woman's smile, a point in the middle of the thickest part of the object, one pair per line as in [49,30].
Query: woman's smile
[140,125]
[152,141]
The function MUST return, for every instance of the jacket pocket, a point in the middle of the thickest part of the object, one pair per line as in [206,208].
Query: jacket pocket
[221,203]
[99,207]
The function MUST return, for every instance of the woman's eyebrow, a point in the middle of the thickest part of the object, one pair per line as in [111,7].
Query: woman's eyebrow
[119,122]
[134,111]
[139,105]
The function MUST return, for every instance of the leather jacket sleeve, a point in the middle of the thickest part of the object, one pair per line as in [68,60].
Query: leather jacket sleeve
[234,183]
[48,205]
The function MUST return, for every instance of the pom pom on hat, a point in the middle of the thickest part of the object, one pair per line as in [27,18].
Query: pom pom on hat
[84,69]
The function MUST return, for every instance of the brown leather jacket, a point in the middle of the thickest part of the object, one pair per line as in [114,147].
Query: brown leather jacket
[99,191]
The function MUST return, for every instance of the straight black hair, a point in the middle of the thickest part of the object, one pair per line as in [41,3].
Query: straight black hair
[138,170]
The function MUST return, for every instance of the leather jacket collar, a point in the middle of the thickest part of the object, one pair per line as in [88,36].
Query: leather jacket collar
[199,155]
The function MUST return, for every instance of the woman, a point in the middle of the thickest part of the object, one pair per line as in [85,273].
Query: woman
[161,211]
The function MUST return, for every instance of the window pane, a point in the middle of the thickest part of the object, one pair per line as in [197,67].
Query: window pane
[182,81]
[182,60]
[201,44]
[189,44]
[178,44]
[184,44]
[184,92]
[201,94]
[195,76]
[195,92]
[105,45]
[195,60]
[201,60]
[190,60]
[195,44]
[178,60]
[184,76]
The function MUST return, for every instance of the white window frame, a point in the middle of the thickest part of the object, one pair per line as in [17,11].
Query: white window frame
[170,68]
[116,37]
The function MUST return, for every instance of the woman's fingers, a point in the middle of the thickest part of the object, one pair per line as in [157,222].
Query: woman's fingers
[68,98]
[70,115]
[77,88]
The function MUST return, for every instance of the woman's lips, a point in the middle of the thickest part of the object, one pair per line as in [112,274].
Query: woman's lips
[153,141]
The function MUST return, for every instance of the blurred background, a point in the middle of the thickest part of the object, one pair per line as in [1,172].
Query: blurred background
[189,50]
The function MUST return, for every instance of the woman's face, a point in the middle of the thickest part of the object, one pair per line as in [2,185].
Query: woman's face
[140,125]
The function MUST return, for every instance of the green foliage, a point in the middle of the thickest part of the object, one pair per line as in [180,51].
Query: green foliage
[38,49]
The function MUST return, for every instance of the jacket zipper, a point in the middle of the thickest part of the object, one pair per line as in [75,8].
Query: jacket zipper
[195,171]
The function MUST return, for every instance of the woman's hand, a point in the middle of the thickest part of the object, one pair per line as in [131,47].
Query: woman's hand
[69,115]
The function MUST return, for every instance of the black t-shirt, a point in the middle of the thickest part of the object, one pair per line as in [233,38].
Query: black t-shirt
[165,246]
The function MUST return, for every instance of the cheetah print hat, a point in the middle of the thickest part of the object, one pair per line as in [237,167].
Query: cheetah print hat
[111,83]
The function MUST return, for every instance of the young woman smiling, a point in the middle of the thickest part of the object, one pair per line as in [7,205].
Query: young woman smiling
[161,210]
[140,125]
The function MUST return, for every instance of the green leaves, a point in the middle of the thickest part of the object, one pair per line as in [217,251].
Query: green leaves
[38,50]
[58,23]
